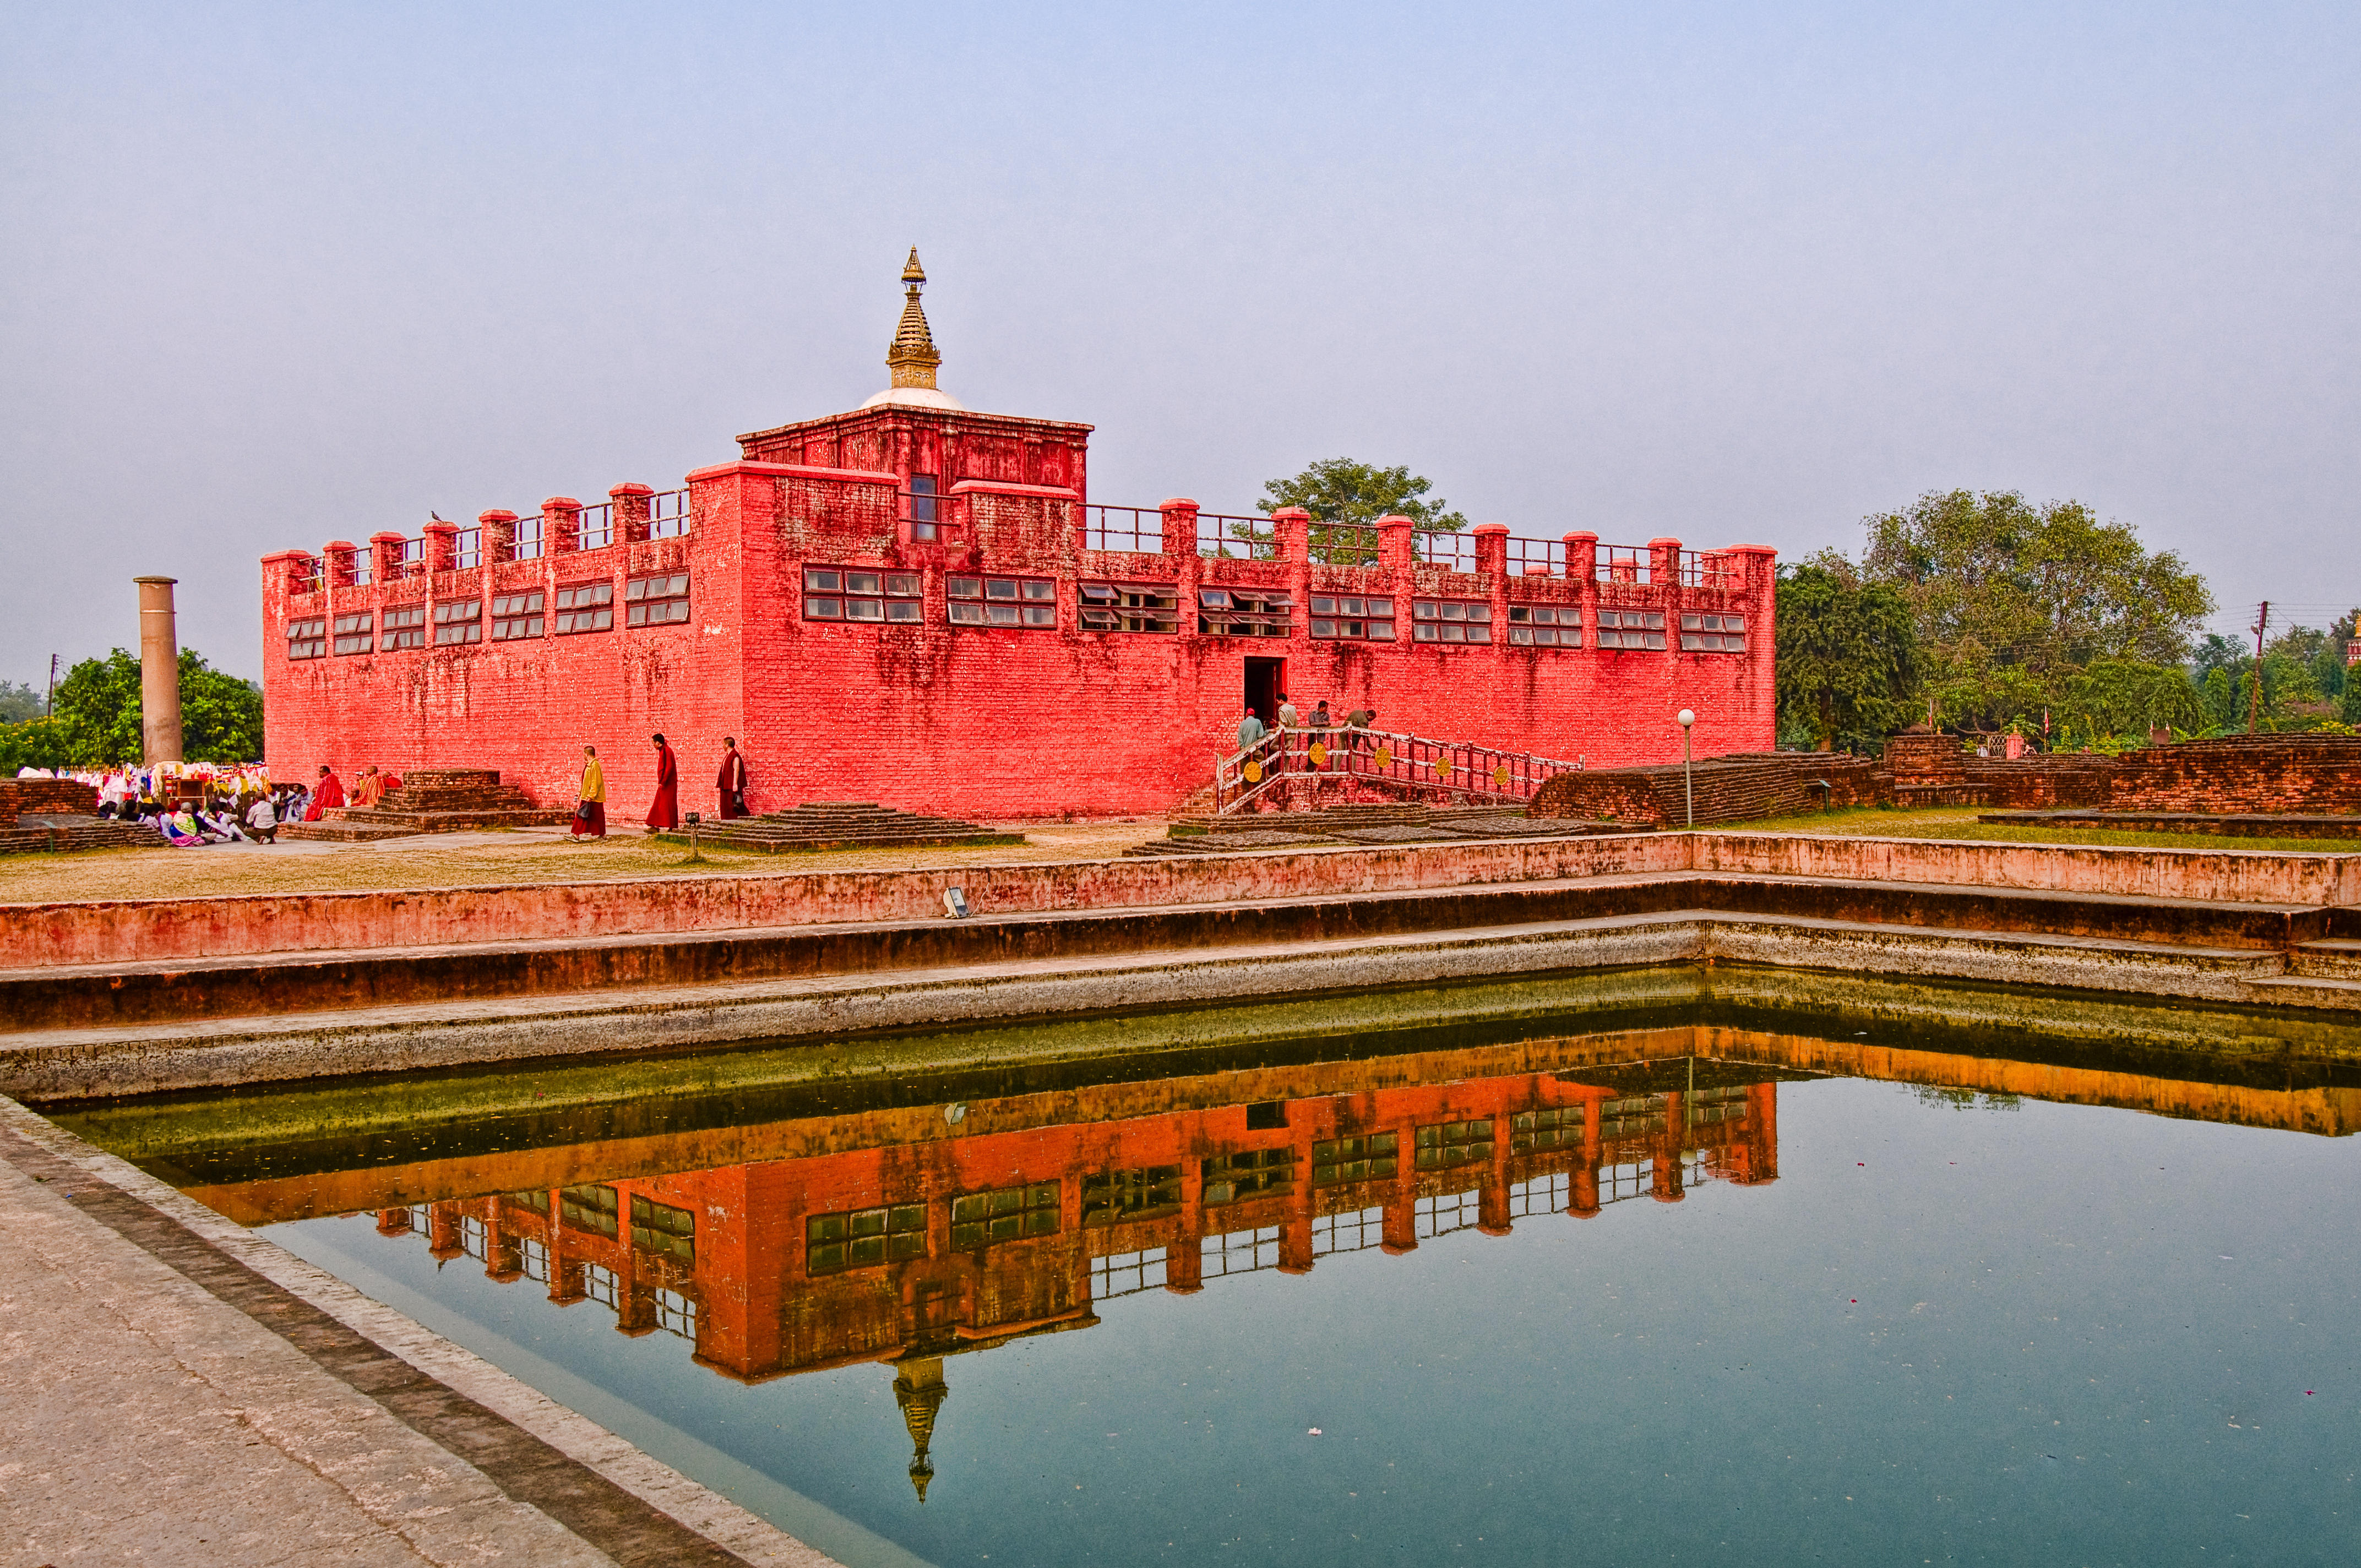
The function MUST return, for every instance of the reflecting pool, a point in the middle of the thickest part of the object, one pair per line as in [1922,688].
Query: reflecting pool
[1674,1292]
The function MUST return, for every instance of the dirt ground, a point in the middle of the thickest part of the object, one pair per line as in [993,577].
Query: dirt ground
[548,855]
[477,860]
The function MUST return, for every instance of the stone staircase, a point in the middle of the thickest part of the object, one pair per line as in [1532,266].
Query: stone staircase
[1387,822]
[432,800]
[837,825]
[49,815]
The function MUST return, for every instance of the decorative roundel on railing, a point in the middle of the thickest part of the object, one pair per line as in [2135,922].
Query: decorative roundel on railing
[1442,767]
[1385,757]
[1319,754]
[1500,775]
[1253,771]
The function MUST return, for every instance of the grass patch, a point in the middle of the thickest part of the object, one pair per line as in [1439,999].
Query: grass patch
[1960,822]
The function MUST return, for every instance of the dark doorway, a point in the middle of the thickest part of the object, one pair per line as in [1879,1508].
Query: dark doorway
[1263,687]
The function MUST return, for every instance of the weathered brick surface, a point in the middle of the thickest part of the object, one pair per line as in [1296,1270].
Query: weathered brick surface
[63,797]
[2241,774]
[1741,788]
[961,720]
[2232,774]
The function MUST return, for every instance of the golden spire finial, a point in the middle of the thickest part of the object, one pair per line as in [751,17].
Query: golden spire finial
[918,1389]
[912,356]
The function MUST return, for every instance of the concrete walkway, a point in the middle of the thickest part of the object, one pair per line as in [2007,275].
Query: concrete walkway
[178,1392]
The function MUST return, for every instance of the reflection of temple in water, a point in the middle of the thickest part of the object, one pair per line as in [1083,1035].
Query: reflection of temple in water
[909,1252]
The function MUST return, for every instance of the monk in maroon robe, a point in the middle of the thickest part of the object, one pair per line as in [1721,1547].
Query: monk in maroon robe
[664,810]
[327,795]
[732,779]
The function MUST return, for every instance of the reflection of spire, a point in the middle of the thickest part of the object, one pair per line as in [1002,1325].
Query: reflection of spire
[918,1383]
[912,356]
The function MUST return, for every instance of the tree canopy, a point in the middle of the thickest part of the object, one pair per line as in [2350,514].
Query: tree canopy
[1340,490]
[2015,602]
[20,702]
[98,712]
[1849,660]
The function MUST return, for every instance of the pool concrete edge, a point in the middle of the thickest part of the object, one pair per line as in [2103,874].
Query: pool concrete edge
[67,1065]
[733,1533]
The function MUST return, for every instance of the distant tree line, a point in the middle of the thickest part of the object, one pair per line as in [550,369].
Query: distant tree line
[1984,613]
[96,719]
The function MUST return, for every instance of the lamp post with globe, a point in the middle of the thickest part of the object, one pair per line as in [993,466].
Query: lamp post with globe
[1688,779]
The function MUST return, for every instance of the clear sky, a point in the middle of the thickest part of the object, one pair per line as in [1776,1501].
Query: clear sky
[276,275]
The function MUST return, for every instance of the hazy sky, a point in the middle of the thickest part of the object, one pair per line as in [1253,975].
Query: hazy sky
[279,275]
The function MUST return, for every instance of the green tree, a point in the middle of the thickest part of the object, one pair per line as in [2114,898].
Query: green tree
[1848,659]
[98,707]
[2121,699]
[34,744]
[2013,601]
[1339,490]
[21,702]
[98,712]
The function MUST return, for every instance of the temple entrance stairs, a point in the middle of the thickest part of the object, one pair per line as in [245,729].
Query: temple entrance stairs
[433,800]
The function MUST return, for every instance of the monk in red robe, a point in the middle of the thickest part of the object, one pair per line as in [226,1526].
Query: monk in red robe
[327,795]
[733,781]
[664,810]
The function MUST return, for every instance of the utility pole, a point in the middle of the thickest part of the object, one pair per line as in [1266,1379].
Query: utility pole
[51,710]
[2255,701]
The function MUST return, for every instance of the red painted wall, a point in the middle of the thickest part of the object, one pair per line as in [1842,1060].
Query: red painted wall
[972,721]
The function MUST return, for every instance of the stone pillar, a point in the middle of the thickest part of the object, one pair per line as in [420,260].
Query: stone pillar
[1665,1184]
[1184,1255]
[1492,562]
[442,546]
[495,536]
[1665,569]
[1398,1230]
[1295,1232]
[631,513]
[343,562]
[159,673]
[1585,1202]
[385,552]
[1492,1198]
[561,526]
[1397,553]
[1179,528]
[1290,531]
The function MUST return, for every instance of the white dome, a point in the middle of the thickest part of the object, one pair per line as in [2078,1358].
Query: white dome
[914,397]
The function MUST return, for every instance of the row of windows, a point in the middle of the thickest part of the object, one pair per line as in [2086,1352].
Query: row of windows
[582,606]
[841,594]
[890,1233]
[598,1209]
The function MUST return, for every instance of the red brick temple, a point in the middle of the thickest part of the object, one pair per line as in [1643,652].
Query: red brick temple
[921,605]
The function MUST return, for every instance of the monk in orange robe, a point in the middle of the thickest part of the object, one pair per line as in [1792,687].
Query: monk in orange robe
[732,779]
[326,795]
[664,810]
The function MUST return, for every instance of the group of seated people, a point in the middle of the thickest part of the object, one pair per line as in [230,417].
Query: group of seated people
[228,820]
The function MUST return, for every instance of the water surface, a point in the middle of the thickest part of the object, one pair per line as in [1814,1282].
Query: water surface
[1651,1295]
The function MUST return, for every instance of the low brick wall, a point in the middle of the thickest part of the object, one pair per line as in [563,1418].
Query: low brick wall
[1741,787]
[129,930]
[2246,773]
[46,796]
[37,934]
[2228,876]
[2236,774]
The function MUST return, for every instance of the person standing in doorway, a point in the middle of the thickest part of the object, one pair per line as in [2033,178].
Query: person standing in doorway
[732,779]
[590,816]
[663,812]
[1251,730]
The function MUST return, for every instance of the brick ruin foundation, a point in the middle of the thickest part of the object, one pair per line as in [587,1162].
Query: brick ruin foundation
[2242,774]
